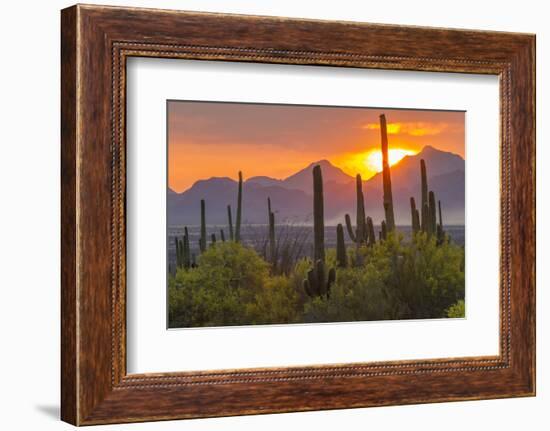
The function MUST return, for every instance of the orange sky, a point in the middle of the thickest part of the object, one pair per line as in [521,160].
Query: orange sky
[212,139]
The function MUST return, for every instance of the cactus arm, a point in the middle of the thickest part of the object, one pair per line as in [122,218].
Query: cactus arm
[349,228]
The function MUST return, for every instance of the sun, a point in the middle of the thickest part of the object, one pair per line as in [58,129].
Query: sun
[369,163]
[373,159]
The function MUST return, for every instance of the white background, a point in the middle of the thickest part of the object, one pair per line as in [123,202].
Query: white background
[151,348]
[29,219]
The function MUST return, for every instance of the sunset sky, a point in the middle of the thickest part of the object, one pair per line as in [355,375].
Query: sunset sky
[212,139]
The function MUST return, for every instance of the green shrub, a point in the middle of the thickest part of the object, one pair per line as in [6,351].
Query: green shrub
[422,279]
[457,310]
[228,277]
[277,302]
[357,294]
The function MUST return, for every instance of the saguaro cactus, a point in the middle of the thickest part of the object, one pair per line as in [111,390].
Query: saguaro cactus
[384,232]
[230,223]
[415,217]
[424,206]
[370,232]
[202,240]
[213,238]
[222,235]
[272,244]
[360,236]
[341,256]
[186,249]
[179,252]
[318,216]
[317,284]
[432,214]
[239,209]
[386,176]
[183,254]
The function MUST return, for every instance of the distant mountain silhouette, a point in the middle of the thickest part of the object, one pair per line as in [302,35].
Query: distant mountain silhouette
[292,201]
[302,180]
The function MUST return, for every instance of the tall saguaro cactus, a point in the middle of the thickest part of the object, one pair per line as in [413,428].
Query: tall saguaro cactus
[432,214]
[424,206]
[272,244]
[360,235]
[230,223]
[202,240]
[317,282]
[415,217]
[239,209]
[386,176]
[183,253]
[186,249]
[318,216]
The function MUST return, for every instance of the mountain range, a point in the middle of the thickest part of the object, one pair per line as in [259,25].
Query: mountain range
[292,200]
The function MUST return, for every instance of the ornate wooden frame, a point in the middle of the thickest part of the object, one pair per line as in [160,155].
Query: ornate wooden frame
[95,42]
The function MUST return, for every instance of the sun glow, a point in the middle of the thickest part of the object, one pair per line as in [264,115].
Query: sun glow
[370,162]
[373,159]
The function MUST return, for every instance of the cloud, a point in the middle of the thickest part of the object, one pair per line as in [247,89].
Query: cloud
[418,128]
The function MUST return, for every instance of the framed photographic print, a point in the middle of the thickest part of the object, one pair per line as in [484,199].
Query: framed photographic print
[268,215]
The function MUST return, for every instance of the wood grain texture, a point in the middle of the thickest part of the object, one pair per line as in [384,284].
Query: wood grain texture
[96,41]
[69,367]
